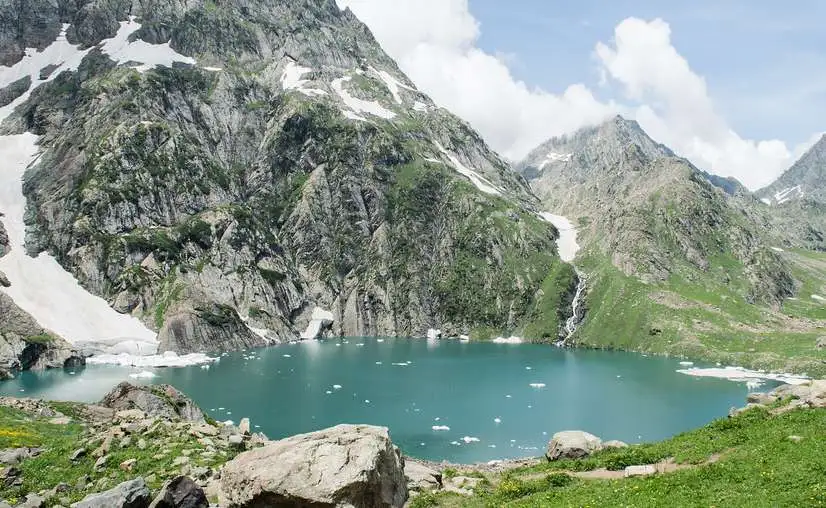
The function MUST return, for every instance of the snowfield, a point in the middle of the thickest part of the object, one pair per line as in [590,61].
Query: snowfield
[567,235]
[39,285]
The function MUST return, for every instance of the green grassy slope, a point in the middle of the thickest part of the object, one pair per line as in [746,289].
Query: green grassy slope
[753,463]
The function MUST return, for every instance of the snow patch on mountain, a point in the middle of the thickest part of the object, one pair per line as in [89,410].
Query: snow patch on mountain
[360,105]
[478,180]
[568,247]
[556,157]
[148,56]
[291,80]
[788,194]
[40,286]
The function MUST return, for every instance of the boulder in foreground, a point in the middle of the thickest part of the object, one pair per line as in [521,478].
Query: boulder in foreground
[347,465]
[160,401]
[130,494]
[572,444]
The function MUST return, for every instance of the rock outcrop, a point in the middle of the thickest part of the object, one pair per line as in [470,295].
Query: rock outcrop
[421,478]
[26,345]
[159,401]
[347,465]
[4,238]
[180,492]
[129,494]
[572,444]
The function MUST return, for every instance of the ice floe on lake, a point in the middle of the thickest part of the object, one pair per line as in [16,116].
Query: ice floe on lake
[740,374]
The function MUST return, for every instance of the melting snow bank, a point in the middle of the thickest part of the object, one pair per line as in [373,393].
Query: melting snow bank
[124,51]
[508,340]
[318,321]
[478,180]
[168,359]
[740,374]
[291,80]
[567,235]
[359,105]
[40,286]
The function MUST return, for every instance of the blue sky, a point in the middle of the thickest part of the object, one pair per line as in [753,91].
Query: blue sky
[764,63]
[738,87]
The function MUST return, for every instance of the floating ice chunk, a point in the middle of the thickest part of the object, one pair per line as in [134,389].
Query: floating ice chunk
[336,387]
[528,368]
[740,374]
[497,420]
[507,396]
[464,338]
[168,359]
[378,363]
[379,340]
[433,334]
[145,374]
[686,364]
[470,439]
[328,392]
[456,443]
[440,428]
[366,401]
[508,340]
[537,385]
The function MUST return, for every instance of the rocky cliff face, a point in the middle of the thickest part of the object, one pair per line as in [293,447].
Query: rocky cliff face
[653,213]
[216,168]
[806,179]
[797,201]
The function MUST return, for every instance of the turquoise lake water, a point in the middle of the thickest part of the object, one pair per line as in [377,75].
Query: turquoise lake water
[481,392]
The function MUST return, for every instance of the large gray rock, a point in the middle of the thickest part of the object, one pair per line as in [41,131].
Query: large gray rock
[160,401]
[180,492]
[421,477]
[25,345]
[129,494]
[347,465]
[572,444]
[4,237]
[207,329]
[809,394]
[821,343]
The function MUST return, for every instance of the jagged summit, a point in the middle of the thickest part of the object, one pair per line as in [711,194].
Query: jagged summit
[593,148]
[805,179]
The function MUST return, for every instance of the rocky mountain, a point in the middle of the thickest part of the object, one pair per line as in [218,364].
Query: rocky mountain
[653,213]
[806,179]
[221,170]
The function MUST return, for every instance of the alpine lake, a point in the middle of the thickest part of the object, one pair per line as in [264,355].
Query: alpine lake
[442,400]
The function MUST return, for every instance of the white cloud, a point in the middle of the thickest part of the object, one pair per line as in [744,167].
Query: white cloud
[675,108]
[434,42]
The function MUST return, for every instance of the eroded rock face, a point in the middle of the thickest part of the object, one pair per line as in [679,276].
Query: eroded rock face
[421,477]
[162,401]
[26,345]
[572,444]
[347,465]
[209,329]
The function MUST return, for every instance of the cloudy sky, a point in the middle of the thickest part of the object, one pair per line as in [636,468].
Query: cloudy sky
[737,86]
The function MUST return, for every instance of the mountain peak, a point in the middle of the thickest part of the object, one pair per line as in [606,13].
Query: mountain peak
[805,178]
[601,146]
